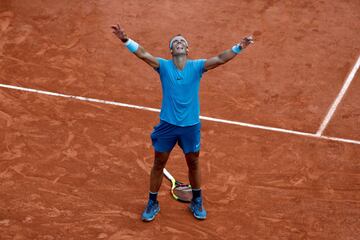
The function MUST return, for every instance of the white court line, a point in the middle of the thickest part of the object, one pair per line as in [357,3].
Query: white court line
[338,99]
[249,125]
[80,98]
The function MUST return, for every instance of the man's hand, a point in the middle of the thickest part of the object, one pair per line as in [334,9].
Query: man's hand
[119,32]
[246,42]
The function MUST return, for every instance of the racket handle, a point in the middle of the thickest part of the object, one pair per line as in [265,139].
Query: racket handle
[167,174]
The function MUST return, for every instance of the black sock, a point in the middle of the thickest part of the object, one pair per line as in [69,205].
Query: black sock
[196,193]
[153,196]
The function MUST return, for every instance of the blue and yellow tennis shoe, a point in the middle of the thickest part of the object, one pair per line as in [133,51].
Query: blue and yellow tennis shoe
[150,211]
[197,208]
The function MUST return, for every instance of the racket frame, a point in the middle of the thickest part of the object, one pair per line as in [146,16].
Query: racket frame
[174,184]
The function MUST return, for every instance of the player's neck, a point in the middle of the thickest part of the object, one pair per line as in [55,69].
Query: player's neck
[180,61]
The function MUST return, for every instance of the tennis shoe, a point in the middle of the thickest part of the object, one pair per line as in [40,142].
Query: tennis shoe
[197,208]
[150,211]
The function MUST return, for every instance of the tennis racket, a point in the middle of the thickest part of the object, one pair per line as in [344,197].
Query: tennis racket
[180,191]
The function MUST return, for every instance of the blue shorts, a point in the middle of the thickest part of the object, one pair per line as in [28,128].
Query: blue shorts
[165,136]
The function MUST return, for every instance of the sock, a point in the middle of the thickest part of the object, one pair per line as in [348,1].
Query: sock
[153,196]
[196,193]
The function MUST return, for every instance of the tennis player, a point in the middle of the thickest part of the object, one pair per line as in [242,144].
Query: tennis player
[180,111]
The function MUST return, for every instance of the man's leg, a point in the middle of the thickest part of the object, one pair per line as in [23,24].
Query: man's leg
[163,140]
[189,141]
[196,206]
[156,177]
[156,174]
[192,160]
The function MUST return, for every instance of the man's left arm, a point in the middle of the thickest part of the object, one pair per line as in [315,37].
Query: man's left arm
[227,55]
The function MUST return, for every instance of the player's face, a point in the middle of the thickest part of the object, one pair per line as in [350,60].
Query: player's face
[179,46]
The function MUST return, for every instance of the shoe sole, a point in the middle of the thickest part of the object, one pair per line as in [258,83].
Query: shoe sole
[150,219]
[197,217]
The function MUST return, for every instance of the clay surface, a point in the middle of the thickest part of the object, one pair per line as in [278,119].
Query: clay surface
[78,170]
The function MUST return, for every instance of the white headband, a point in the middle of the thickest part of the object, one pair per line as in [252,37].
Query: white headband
[172,40]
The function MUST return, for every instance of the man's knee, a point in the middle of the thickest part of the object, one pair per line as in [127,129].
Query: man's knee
[160,160]
[192,160]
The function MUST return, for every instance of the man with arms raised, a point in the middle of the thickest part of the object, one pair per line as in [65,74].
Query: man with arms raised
[180,111]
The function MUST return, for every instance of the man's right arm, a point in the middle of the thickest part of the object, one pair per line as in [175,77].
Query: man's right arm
[134,47]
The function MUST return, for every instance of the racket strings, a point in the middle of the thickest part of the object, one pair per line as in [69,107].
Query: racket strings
[183,192]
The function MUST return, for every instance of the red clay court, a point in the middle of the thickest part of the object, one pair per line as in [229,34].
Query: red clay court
[280,159]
